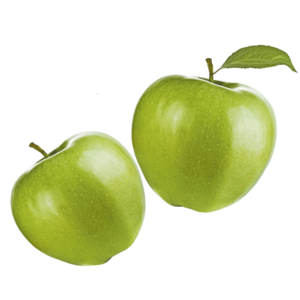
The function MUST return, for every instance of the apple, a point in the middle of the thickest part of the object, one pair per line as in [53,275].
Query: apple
[83,203]
[202,144]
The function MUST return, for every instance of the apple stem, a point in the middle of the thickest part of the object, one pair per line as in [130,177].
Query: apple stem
[210,69]
[38,148]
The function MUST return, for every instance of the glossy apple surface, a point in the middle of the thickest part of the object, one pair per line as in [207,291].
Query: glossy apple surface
[202,145]
[83,204]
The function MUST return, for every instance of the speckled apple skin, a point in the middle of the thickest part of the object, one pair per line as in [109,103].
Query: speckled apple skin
[83,204]
[202,145]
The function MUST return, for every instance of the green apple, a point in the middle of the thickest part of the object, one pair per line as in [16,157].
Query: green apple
[83,203]
[202,144]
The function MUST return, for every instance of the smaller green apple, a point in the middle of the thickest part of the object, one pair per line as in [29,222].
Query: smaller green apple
[83,203]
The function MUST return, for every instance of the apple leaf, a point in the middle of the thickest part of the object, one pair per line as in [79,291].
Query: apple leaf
[258,57]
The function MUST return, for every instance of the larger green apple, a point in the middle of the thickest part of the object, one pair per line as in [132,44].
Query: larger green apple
[83,203]
[200,144]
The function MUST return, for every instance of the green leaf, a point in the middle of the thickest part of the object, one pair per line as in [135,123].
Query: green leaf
[258,57]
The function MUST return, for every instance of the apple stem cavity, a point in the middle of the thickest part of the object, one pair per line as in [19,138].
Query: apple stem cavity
[38,148]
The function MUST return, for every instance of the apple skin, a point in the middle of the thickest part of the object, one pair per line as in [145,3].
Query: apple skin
[83,204]
[202,145]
